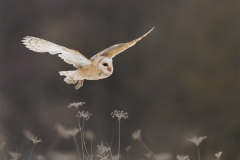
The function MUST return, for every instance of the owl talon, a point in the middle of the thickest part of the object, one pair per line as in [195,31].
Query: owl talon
[79,84]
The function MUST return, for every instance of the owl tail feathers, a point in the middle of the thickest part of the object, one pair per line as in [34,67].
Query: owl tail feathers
[69,79]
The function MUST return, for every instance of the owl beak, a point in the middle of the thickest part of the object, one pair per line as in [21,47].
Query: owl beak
[109,69]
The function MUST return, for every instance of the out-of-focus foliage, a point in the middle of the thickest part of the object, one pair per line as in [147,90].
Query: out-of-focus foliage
[181,80]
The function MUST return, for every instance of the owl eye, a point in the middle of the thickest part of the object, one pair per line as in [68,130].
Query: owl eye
[105,64]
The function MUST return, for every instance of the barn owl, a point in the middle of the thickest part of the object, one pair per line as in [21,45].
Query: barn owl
[99,66]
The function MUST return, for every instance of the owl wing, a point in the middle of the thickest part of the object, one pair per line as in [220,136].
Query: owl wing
[70,56]
[112,51]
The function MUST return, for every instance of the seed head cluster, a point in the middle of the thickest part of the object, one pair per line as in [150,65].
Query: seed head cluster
[119,114]
[76,104]
[218,155]
[197,140]
[103,152]
[35,140]
[84,114]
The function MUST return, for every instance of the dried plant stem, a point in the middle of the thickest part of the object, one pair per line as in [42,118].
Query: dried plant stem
[119,138]
[146,147]
[198,153]
[77,147]
[80,129]
[31,152]
[84,140]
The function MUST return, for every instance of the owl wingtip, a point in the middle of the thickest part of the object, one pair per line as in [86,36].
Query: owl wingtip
[151,29]
[147,32]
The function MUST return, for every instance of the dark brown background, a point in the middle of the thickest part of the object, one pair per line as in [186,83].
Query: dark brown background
[179,81]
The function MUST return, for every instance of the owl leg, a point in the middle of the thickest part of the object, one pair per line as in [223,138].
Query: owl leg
[79,84]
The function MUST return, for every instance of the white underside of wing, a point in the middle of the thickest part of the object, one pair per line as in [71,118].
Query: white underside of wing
[69,56]
[75,59]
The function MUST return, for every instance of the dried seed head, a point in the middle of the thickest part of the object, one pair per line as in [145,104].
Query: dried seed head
[103,152]
[35,140]
[218,155]
[137,135]
[85,115]
[197,140]
[119,114]
[76,104]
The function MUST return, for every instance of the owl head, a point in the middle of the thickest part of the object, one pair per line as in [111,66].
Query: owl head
[105,64]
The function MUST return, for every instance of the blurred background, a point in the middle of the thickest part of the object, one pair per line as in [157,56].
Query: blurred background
[179,81]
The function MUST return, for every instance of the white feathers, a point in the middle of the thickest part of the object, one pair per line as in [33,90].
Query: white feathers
[69,79]
[68,55]
[41,45]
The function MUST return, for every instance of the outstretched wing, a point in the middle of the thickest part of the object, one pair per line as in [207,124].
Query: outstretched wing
[68,55]
[118,48]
